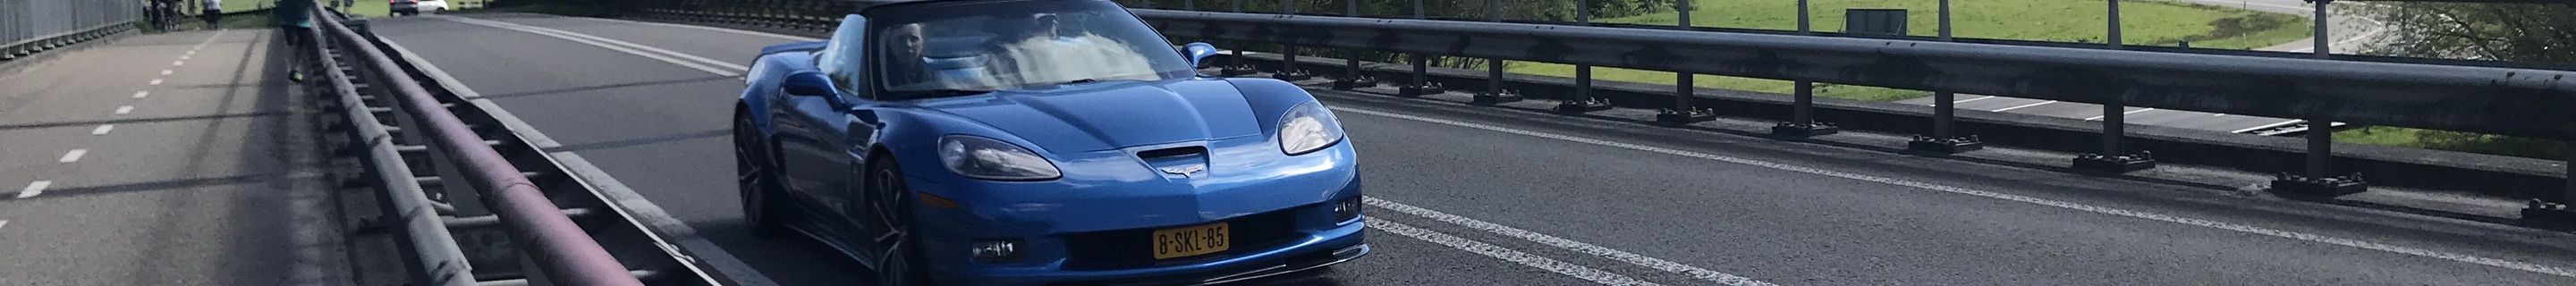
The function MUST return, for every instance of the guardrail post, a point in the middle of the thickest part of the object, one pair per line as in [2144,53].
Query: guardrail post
[2552,209]
[1684,88]
[1234,65]
[1494,92]
[2319,182]
[1944,111]
[1802,121]
[2114,158]
[1352,78]
[1288,53]
[1421,69]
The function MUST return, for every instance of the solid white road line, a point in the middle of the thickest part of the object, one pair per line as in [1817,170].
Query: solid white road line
[74,155]
[34,188]
[743,32]
[125,109]
[2025,105]
[2268,126]
[686,60]
[617,194]
[1507,254]
[156,81]
[2543,269]
[1586,248]
[102,129]
[1973,99]
[142,93]
[2130,112]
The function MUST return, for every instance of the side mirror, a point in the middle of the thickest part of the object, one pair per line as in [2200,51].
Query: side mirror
[807,84]
[1198,52]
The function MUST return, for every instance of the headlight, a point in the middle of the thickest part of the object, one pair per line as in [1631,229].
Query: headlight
[985,158]
[1308,127]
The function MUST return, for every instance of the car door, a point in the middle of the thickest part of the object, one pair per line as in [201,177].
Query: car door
[811,131]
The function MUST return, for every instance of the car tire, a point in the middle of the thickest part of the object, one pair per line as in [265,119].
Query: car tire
[899,261]
[756,178]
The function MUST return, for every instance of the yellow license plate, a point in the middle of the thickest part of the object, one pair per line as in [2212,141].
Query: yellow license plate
[1190,240]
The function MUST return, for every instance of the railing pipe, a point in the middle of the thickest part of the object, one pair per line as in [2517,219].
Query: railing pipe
[543,232]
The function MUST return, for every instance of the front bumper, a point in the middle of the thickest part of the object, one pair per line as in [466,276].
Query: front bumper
[1092,229]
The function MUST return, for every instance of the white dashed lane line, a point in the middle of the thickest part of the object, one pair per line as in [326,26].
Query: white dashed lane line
[1507,254]
[156,81]
[178,63]
[102,129]
[34,188]
[74,155]
[165,72]
[125,109]
[1568,244]
[142,93]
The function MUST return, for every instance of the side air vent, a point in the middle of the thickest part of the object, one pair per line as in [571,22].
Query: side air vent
[1171,152]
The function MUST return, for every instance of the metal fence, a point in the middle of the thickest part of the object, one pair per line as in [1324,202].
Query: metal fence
[31,26]
[465,199]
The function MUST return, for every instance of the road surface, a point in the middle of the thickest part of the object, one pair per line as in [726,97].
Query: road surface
[164,159]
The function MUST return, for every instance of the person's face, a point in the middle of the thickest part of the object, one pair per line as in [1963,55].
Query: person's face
[909,36]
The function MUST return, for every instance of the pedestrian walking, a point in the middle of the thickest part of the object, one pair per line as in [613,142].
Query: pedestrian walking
[214,13]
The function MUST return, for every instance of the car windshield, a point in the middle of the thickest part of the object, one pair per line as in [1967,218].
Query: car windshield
[957,49]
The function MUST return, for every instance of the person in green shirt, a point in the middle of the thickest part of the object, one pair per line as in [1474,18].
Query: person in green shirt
[295,20]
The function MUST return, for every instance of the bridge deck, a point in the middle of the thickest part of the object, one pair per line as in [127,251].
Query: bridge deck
[1785,213]
[164,159]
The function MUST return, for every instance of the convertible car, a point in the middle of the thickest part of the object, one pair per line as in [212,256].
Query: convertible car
[1039,142]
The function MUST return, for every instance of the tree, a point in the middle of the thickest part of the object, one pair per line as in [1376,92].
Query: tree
[2478,31]
[2482,31]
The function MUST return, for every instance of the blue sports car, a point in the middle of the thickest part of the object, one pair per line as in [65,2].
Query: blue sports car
[1039,142]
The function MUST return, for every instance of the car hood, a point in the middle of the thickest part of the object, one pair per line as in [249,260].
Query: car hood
[1109,115]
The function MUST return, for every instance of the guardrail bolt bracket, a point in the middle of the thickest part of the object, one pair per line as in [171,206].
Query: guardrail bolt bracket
[1581,106]
[2314,188]
[1952,145]
[1357,82]
[2549,214]
[1427,88]
[2115,164]
[1795,130]
[1670,117]
[1293,75]
[1237,70]
[1492,98]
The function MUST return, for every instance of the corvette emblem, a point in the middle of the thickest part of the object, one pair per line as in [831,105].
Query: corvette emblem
[1184,171]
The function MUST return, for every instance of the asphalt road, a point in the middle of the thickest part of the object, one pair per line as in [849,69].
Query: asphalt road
[165,159]
[1482,197]
[2350,33]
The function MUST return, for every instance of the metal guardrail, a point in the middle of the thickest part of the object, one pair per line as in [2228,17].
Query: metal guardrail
[536,222]
[2517,99]
[2519,102]
[32,26]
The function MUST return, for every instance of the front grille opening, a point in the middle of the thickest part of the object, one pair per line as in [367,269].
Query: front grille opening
[1172,152]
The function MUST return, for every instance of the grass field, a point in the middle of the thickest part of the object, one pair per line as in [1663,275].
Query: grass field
[2143,22]
[2453,141]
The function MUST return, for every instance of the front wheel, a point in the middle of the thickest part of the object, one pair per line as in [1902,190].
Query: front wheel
[757,180]
[899,258]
